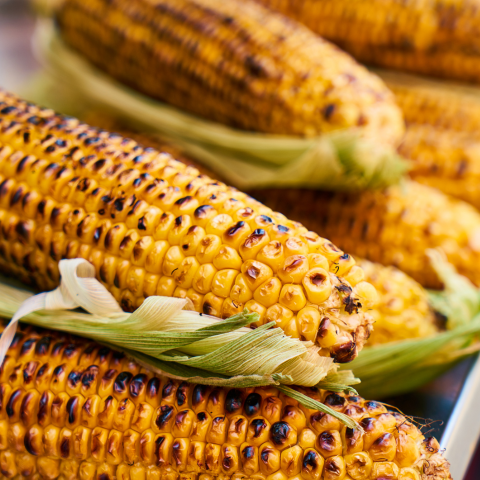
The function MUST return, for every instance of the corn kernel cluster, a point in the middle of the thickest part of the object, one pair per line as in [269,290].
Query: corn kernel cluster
[152,226]
[394,226]
[233,62]
[71,409]
[431,37]
[402,311]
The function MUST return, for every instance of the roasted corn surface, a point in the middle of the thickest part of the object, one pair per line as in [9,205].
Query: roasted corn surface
[392,227]
[442,138]
[71,409]
[431,37]
[153,226]
[232,62]
[402,310]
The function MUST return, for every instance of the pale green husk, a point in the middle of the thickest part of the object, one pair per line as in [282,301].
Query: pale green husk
[338,160]
[160,334]
[399,367]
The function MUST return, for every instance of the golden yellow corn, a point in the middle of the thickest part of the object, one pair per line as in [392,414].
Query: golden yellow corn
[72,409]
[432,103]
[442,138]
[232,62]
[432,37]
[402,310]
[392,227]
[153,226]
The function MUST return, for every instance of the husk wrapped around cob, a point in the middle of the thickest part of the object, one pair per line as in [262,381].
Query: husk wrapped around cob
[234,62]
[342,158]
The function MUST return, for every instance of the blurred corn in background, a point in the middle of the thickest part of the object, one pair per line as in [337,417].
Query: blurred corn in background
[431,37]
[232,62]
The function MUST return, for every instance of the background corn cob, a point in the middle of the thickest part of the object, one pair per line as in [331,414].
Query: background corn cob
[74,409]
[402,311]
[433,37]
[232,62]
[152,226]
[442,138]
[393,227]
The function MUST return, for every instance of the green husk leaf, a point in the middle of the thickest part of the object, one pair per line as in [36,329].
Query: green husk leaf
[340,381]
[316,405]
[337,160]
[459,301]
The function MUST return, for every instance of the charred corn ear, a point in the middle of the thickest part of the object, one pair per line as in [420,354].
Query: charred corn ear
[402,310]
[444,159]
[153,226]
[436,105]
[442,138]
[232,62]
[73,409]
[392,227]
[415,36]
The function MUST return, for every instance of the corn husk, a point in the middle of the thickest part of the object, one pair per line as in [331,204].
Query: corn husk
[164,335]
[337,160]
[399,367]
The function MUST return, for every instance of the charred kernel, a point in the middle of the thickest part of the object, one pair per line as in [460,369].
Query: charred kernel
[73,406]
[259,426]
[280,433]
[234,400]
[138,385]
[122,382]
[199,394]
[153,387]
[181,394]
[166,413]
[74,378]
[252,404]
[27,347]
[334,400]
[13,401]
[168,389]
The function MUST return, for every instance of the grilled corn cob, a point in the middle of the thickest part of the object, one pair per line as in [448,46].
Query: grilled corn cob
[402,311]
[152,226]
[72,409]
[436,105]
[232,62]
[393,227]
[432,37]
[441,138]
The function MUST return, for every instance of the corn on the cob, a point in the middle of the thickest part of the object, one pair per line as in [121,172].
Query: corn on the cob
[152,226]
[441,138]
[232,62]
[72,409]
[444,159]
[433,37]
[436,105]
[402,311]
[392,227]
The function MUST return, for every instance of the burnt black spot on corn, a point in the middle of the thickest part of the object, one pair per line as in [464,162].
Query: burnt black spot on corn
[256,73]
